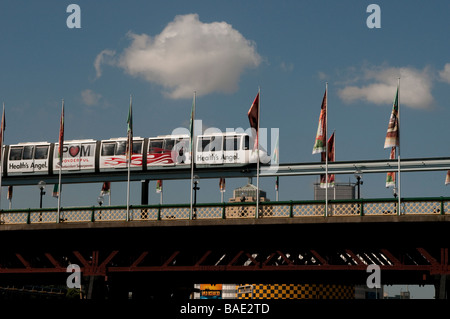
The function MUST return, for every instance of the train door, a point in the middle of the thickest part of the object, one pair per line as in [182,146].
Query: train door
[233,151]
[181,151]
[209,150]
[113,154]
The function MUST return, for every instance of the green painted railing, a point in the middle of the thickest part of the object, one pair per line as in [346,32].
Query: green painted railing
[282,209]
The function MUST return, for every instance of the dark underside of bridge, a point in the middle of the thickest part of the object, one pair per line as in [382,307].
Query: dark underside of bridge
[163,258]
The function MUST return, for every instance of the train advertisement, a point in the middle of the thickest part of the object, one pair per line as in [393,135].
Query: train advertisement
[76,156]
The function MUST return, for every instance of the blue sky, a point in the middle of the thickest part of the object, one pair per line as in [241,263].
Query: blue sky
[154,51]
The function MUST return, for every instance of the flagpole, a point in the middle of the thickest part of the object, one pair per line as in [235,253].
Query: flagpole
[1,152]
[192,153]
[257,154]
[398,156]
[130,148]
[326,149]
[278,187]
[61,154]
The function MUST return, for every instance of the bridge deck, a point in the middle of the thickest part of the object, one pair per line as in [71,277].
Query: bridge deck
[289,212]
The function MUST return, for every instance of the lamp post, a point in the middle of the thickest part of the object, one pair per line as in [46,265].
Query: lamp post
[100,202]
[195,188]
[41,186]
[359,182]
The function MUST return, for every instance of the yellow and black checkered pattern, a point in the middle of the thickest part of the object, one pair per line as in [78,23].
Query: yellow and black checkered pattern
[294,291]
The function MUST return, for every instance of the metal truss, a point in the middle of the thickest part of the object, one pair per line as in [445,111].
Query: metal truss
[102,263]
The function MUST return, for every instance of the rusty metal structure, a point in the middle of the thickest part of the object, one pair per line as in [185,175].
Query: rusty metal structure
[161,248]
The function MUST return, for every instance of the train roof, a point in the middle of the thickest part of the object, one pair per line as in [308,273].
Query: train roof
[30,143]
[172,136]
[225,134]
[123,138]
[90,140]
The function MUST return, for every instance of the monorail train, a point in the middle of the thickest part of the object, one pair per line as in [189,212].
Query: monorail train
[169,151]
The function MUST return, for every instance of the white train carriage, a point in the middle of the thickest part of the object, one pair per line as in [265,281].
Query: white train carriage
[168,151]
[29,158]
[78,155]
[113,154]
[230,149]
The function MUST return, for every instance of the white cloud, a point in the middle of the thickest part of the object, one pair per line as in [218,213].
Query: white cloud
[415,87]
[287,67]
[444,75]
[90,98]
[104,57]
[189,55]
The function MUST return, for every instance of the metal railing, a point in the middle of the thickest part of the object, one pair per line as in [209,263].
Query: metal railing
[282,209]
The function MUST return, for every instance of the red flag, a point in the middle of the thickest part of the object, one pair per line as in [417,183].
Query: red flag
[129,150]
[331,158]
[106,188]
[447,178]
[253,116]
[390,176]
[2,131]
[10,192]
[61,135]
[393,132]
[222,184]
[159,186]
[321,135]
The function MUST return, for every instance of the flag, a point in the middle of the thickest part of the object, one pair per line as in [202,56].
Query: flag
[10,192]
[319,144]
[277,183]
[55,191]
[276,151]
[2,132]
[390,176]
[61,136]
[159,186]
[447,178]
[106,188]
[222,184]
[129,134]
[393,132]
[331,158]
[191,125]
[253,115]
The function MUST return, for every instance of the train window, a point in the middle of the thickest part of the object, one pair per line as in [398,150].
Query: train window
[41,152]
[231,143]
[216,143]
[137,147]
[203,146]
[246,142]
[15,153]
[121,148]
[168,144]
[108,149]
[28,152]
[156,147]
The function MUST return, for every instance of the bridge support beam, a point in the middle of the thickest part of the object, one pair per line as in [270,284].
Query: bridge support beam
[441,287]
[144,191]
